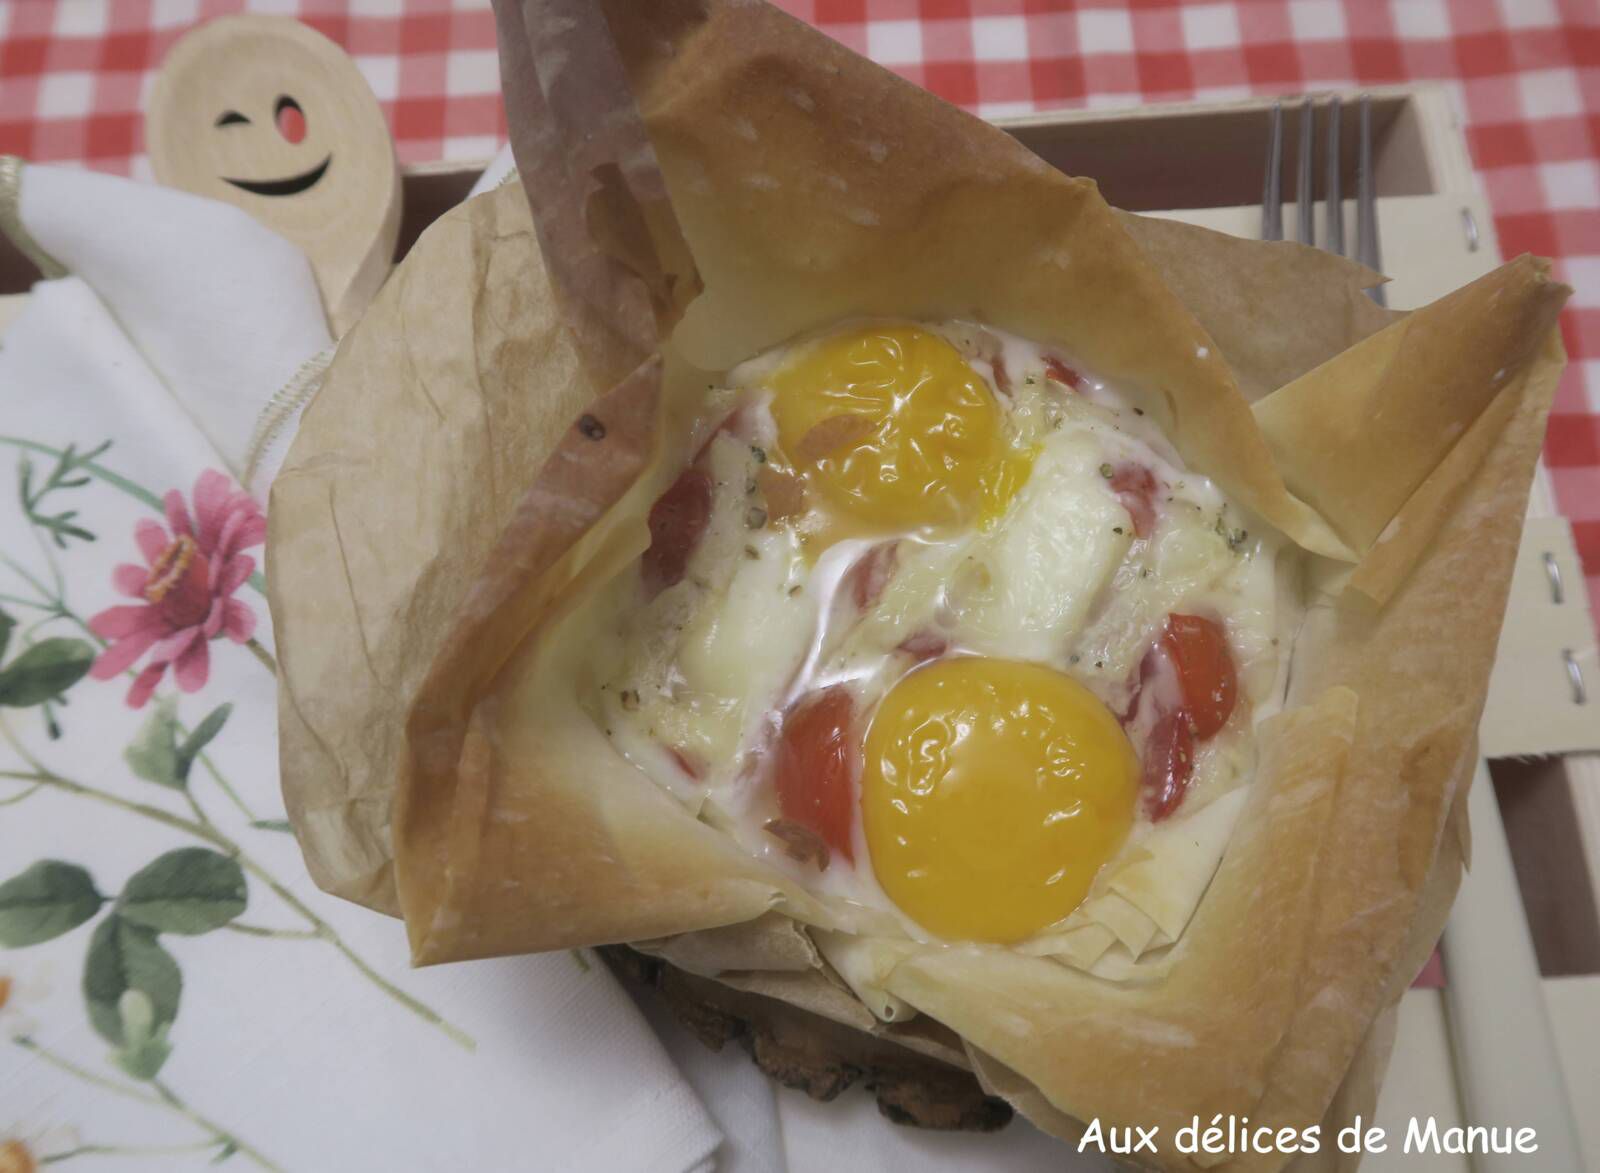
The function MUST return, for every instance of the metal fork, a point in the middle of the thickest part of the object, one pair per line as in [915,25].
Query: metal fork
[1367,250]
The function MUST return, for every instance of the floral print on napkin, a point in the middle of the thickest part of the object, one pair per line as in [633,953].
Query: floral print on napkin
[192,567]
[148,630]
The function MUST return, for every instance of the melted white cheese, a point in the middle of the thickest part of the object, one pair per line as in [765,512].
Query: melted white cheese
[1040,570]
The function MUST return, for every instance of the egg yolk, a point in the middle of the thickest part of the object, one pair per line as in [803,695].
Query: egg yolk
[896,431]
[992,791]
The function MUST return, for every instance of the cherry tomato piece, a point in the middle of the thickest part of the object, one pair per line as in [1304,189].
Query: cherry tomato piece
[816,766]
[686,763]
[1002,378]
[870,574]
[1061,373]
[1136,488]
[784,493]
[1199,650]
[925,644]
[1168,765]
[677,522]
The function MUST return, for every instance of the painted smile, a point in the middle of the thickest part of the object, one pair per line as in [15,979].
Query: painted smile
[293,185]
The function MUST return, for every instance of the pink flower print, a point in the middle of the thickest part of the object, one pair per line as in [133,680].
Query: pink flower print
[192,567]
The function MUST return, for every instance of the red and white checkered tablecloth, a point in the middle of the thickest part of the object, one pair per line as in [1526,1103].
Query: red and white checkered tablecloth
[73,74]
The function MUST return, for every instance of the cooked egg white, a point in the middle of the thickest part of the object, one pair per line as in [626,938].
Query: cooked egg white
[946,522]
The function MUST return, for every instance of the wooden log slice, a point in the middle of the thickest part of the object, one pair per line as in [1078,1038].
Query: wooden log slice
[812,1054]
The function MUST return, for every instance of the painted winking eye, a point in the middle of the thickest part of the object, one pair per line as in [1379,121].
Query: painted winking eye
[992,791]
[896,431]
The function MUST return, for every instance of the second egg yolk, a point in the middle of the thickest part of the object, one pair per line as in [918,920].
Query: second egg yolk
[992,792]
[896,430]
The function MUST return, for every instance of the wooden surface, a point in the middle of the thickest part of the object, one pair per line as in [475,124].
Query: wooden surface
[1547,852]
[431,190]
[811,1054]
[269,115]
[1209,154]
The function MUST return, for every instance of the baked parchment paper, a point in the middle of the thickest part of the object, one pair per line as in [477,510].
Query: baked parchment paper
[707,179]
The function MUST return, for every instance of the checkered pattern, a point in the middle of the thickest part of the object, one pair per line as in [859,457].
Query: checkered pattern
[73,74]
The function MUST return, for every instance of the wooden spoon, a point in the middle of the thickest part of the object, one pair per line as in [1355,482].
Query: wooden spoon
[271,116]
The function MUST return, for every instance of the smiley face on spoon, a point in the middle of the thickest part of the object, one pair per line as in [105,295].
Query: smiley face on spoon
[267,114]
[290,120]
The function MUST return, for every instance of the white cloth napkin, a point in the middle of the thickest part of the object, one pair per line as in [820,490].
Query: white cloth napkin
[496,173]
[222,308]
[147,1020]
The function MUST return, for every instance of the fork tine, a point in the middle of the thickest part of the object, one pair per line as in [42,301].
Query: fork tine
[1304,196]
[1331,192]
[1367,251]
[1272,193]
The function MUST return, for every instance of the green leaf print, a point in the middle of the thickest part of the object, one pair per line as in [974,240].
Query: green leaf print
[44,672]
[190,891]
[153,755]
[67,473]
[202,736]
[157,756]
[6,624]
[154,751]
[144,1047]
[47,900]
[123,957]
